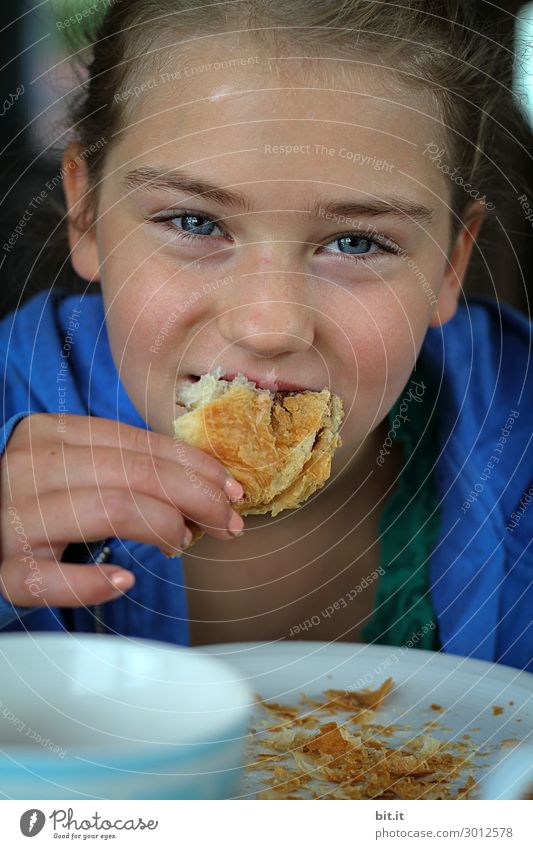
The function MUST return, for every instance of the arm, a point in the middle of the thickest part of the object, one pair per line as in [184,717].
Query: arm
[73,476]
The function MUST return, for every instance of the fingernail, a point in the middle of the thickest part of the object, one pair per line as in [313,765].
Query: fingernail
[236,525]
[120,580]
[187,538]
[233,489]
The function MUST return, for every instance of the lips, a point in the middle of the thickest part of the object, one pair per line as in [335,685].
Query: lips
[272,383]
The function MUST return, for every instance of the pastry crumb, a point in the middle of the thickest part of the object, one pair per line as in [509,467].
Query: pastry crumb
[346,754]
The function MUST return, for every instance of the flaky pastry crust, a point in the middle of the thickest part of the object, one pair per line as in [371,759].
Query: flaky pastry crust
[278,446]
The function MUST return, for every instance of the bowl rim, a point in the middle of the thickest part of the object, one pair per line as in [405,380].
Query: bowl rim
[227,725]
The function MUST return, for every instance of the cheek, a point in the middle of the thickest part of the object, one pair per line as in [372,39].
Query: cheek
[143,333]
[132,326]
[142,308]
[138,288]
[381,328]
[377,342]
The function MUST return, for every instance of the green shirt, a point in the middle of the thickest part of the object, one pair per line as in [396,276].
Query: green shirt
[409,526]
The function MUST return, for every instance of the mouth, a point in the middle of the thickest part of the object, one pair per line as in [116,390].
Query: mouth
[270,382]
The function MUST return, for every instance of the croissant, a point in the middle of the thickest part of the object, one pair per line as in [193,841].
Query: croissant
[278,445]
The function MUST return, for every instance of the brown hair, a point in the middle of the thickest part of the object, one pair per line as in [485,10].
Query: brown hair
[433,45]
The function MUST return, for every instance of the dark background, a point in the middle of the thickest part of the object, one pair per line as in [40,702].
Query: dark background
[27,51]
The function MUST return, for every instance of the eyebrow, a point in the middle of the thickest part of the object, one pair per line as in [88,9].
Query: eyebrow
[179,180]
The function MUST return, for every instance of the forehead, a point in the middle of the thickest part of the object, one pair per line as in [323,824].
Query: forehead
[251,118]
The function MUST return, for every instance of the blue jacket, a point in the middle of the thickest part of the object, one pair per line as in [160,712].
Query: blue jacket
[57,358]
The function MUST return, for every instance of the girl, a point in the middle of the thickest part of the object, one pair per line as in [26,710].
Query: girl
[291,192]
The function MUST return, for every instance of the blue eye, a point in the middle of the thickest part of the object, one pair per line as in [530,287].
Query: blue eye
[358,246]
[353,244]
[349,246]
[197,225]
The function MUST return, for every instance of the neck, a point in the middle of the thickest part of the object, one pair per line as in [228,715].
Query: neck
[352,465]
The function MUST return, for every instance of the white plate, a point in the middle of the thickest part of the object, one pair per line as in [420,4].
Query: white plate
[466,689]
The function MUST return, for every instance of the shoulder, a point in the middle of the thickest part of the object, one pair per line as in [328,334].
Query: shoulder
[481,361]
[481,367]
[482,335]
[53,304]
[42,323]
[55,356]
[47,348]
[504,329]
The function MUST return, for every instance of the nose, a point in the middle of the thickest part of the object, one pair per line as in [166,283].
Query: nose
[267,315]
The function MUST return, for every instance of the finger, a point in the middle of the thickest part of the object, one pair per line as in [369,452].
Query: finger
[86,514]
[46,582]
[93,431]
[69,467]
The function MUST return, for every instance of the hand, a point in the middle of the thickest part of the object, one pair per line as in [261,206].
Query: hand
[94,479]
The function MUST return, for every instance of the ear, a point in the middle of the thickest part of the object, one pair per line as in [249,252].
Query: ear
[81,229]
[457,264]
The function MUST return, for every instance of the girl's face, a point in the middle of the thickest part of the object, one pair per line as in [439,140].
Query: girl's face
[277,221]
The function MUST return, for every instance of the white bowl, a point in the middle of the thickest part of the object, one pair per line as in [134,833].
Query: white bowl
[96,716]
